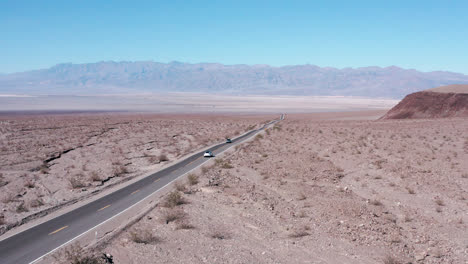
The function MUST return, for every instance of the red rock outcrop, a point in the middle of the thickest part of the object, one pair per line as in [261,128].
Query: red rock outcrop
[427,104]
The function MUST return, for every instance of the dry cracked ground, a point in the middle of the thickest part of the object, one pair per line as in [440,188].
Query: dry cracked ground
[317,191]
[53,160]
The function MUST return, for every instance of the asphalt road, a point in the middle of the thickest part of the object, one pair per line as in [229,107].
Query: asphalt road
[34,243]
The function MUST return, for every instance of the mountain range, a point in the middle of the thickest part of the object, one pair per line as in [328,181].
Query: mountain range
[153,77]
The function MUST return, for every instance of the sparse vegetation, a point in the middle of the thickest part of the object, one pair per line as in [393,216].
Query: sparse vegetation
[227,165]
[95,176]
[29,184]
[220,234]
[36,202]
[76,183]
[75,254]
[173,199]
[180,186]
[144,236]
[119,170]
[184,225]
[173,215]
[192,179]
[439,202]
[21,208]
[163,158]
[302,197]
[410,190]
[301,232]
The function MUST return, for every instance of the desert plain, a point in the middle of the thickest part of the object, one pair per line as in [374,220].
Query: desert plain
[314,188]
[49,161]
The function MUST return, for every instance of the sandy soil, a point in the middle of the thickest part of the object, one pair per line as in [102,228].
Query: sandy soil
[319,191]
[48,161]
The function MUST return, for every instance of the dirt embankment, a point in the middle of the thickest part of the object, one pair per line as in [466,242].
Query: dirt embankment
[429,104]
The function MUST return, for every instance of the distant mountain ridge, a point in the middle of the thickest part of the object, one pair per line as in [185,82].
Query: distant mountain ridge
[147,76]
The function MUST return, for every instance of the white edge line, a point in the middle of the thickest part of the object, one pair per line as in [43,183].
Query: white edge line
[80,235]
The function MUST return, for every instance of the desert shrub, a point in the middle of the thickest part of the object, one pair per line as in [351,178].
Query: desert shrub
[227,165]
[75,254]
[220,234]
[173,215]
[120,169]
[407,218]
[439,202]
[163,158]
[173,199]
[153,159]
[36,202]
[94,176]
[192,179]
[21,208]
[2,220]
[29,184]
[76,183]
[410,190]
[302,232]
[180,186]
[301,197]
[259,136]
[184,225]
[376,202]
[143,236]
[205,169]
[44,169]
[250,127]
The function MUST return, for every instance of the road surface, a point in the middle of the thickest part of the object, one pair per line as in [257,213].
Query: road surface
[32,244]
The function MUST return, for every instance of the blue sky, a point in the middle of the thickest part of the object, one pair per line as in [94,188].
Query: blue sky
[424,35]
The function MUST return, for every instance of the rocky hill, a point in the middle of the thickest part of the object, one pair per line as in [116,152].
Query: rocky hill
[445,101]
[143,77]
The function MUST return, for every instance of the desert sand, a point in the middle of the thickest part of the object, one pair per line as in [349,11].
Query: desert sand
[311,190]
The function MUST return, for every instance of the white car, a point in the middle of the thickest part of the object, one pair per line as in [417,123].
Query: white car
[208,154]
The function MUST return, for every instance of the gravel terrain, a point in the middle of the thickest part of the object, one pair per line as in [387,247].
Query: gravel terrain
[51,160]
[311,190]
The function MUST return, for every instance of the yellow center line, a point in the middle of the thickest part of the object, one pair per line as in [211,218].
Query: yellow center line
[135,192]
[194,161]
[104,207]
[57,230]
[157,180]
